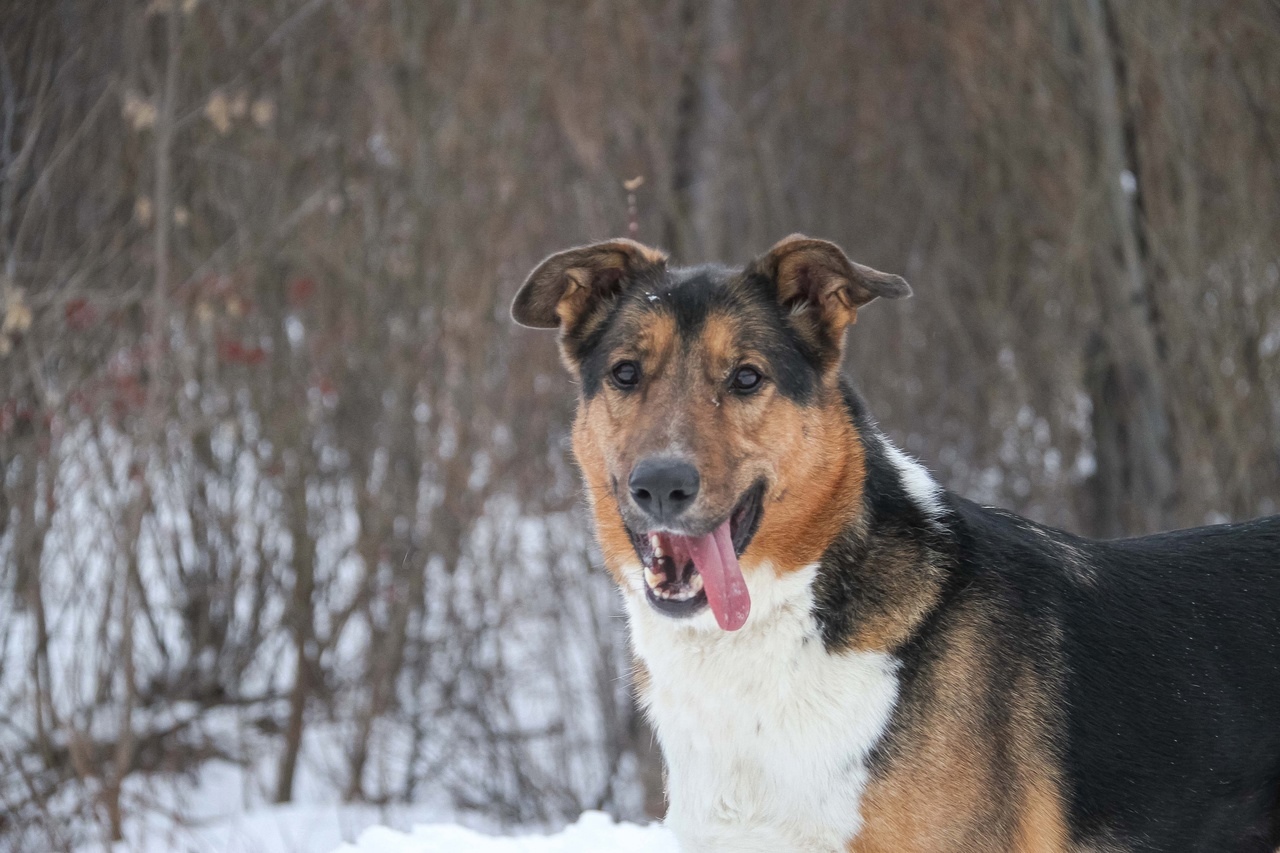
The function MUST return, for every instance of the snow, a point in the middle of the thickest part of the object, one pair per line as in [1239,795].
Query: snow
[321,829]
[594,832]
[1128,182]
[222,808]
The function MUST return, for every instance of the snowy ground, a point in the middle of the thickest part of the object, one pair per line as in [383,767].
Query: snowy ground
[318,829]
[223,809]
[593,833]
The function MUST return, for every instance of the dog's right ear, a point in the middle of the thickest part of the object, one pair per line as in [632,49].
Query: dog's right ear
[560,292]
[821,290]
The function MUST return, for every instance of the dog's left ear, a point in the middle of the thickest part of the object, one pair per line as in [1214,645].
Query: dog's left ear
[821,288]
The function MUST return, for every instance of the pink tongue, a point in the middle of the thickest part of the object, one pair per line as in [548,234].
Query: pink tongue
[721,576]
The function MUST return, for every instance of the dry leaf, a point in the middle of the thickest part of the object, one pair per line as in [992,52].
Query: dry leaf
[138,111]
[263,112]
[218,112]
[204,313]
[17,316]
[239,104]
[142,210]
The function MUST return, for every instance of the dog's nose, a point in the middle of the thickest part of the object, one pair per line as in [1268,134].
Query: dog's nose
[664,488]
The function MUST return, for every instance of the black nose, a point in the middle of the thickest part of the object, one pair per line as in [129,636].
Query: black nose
[664,488]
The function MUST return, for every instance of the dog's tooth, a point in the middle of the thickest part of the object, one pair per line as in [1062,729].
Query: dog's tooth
[695,582]
[655,542]
[652,578]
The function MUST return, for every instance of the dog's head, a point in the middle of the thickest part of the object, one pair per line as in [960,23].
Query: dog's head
[710,430]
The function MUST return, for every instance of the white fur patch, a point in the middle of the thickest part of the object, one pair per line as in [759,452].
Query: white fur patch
[923,490]
[766,734]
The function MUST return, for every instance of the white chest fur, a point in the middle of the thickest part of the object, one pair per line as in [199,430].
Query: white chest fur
[766,735]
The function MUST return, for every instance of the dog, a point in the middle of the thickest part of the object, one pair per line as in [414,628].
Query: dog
[836,653]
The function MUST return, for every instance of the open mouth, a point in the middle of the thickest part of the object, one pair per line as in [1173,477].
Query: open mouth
[685,573]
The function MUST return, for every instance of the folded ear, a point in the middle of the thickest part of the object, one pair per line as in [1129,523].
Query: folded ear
[561,290]
[821,288]
[816,274]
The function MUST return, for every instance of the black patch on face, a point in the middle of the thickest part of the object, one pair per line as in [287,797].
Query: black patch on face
[764,290]
[586,337]
[589,350]
[690,296]
[794,366]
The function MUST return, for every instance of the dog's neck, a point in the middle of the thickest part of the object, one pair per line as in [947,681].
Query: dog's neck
[885,572]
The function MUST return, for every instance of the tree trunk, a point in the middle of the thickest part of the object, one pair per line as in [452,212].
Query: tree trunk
[696,230]
[1133,487]
[302,625]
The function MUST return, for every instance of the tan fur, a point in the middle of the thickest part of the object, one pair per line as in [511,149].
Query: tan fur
[909,584]
[942,790]
[818,492]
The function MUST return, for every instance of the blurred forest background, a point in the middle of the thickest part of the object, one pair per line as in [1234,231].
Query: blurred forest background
[284,490]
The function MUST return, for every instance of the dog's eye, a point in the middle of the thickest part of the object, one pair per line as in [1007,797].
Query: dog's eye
[626,374]
[746,379]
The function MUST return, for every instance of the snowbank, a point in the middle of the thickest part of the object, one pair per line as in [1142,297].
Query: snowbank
[593,833]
